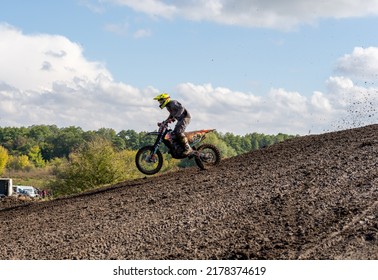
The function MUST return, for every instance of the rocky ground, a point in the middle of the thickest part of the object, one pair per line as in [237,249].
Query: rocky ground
[313,197]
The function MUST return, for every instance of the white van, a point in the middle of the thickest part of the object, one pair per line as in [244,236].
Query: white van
[26,190]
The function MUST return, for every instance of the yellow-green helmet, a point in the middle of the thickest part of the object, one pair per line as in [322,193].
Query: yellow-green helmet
[163,99]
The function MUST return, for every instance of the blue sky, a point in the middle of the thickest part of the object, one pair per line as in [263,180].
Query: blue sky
[291,66]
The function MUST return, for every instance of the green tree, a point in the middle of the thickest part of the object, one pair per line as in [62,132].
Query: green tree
[20,162]
[130,138]
[226,150]
[24,162]
[3,159]
[254,144]
[43,136]
[35,156]
[67,140]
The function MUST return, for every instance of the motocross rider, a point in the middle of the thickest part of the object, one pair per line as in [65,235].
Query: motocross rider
[179,113]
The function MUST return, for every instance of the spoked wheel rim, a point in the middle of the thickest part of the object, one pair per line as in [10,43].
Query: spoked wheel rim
[209,155]
[147,162]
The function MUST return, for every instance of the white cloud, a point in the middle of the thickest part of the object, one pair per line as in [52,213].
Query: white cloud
[227,110]
[48,80]
[88,104]
[352,105]
[344,105]
[36,61]
[277,14]
[151,7]
[362,64]
[320,102]
[292,102]
[217,98]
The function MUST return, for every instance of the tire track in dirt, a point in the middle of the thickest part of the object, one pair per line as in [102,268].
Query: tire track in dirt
[335,236]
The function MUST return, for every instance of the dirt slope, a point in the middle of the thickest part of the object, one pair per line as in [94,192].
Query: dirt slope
[314,197]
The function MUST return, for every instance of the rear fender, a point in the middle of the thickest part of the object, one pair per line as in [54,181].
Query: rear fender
[198,135]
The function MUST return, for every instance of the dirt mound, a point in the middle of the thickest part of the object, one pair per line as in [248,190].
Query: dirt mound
[313,197]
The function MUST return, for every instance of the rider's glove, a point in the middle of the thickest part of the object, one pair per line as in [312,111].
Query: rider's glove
[167,121]
[162,123]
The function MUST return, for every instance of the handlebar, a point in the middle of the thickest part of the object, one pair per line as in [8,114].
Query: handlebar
[165,123]
[162,125]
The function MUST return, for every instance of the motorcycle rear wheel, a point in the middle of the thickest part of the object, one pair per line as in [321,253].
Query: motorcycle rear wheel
[208,155]
[147,162]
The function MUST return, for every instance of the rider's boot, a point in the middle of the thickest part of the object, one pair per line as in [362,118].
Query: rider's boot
[185,144]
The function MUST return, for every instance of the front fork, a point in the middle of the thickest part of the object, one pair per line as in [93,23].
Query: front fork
[151,157]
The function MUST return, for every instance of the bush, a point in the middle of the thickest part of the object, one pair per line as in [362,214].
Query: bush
[92,165]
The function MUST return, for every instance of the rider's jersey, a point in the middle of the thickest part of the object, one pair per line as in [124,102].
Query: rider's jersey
[177,111]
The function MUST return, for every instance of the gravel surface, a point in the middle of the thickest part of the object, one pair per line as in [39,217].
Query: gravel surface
[312,197]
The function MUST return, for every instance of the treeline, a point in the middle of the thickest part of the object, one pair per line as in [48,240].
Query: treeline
[46,142]
[43,143]
[53,142]
[73,160]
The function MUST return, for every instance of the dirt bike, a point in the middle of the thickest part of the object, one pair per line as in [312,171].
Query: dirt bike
[149,159]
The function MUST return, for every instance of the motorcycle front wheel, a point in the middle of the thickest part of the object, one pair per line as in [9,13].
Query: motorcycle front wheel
[147,162]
